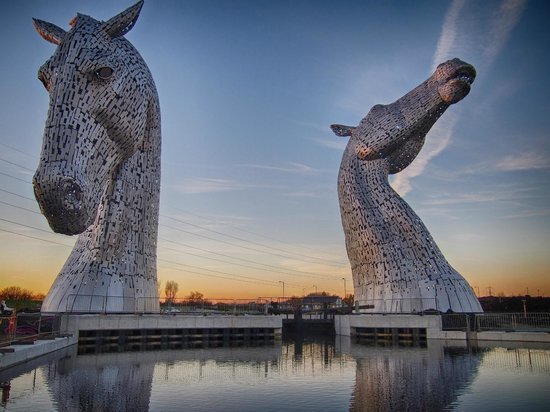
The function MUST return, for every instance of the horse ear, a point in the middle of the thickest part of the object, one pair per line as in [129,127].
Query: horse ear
[49,31]
[341,130]
[123,22]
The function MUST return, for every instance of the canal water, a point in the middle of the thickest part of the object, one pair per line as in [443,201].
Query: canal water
[333,374]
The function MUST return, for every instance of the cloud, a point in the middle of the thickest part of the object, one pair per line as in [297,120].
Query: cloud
[338,144]
[501,194]
[440,137]
[458,37]
[523,161]
[510,163]
[501,25]
[292,167]
[448,39]
[209,185]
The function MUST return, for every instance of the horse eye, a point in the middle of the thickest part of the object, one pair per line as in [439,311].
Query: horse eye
[104,73]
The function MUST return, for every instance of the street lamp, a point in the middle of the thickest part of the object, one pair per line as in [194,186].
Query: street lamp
[345,292]
[283,288]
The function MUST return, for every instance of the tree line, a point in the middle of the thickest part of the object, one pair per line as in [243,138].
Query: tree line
[17,294]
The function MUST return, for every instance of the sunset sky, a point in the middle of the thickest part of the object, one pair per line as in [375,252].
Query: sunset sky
[248,90]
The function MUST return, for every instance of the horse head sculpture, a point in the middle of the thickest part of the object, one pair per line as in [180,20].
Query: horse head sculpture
[99,171]
[396,265]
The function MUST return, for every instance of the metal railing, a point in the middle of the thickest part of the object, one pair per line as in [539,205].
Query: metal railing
[216,306]
[456,321]
[119,304]
[479,322]
[532,322]
[28,327]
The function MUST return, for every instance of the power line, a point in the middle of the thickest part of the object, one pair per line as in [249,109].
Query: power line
[18,195]
[17,150]
[240,229]
[27,226]
[278,270]
[225,261]
[15,164]
[16,178]
[252,242]
[301,256]
[33,237]
[20,207]
[213,276]
[233,276]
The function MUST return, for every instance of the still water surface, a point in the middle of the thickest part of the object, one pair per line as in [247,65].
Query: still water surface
[295,375]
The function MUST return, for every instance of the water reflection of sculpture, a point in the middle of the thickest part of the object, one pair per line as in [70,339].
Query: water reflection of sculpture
[411,379]
[396,265]
[124,381]
[99,171]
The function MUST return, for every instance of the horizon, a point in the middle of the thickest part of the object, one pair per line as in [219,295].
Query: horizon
[248,90]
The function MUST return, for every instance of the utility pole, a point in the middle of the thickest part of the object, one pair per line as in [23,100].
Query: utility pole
[315,286]
[283,288]
[345,291]
[489,290]
[477,289]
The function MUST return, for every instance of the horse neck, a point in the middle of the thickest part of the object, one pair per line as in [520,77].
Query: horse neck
[127,221]
[370,208]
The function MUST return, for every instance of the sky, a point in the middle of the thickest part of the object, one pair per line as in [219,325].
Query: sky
[248,90]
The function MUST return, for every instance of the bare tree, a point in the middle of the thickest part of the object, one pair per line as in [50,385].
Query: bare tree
[16,293]
[195,296]
[170,290]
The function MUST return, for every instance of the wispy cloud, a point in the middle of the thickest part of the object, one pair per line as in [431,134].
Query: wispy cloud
[509,163]
[523,161]
[458,38]
[501,194]
[450,33]
[209,185]
[501,25]
[433,146]
[291,167]
[336,144]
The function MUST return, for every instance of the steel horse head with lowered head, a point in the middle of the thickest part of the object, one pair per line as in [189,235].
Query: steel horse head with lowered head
[99,170]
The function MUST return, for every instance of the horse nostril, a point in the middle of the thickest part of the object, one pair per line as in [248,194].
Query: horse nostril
[72,194]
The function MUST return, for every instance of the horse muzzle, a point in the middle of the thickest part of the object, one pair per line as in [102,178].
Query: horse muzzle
[62,201]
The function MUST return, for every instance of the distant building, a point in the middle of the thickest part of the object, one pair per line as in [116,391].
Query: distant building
[321,302]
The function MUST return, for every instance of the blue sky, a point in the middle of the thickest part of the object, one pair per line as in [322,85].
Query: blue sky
[248,90]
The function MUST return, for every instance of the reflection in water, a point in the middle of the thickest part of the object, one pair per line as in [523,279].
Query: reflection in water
[415,379]
[114,382]
[295,375]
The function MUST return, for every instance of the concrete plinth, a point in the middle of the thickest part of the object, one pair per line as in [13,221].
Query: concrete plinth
[75,323]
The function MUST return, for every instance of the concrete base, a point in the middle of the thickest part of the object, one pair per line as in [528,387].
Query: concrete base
[75,323]
[346,324]
[24,353]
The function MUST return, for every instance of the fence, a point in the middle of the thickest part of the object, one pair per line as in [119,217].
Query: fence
[532,322]
[217,306]
[528,322]
[28,327]
[257,306]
